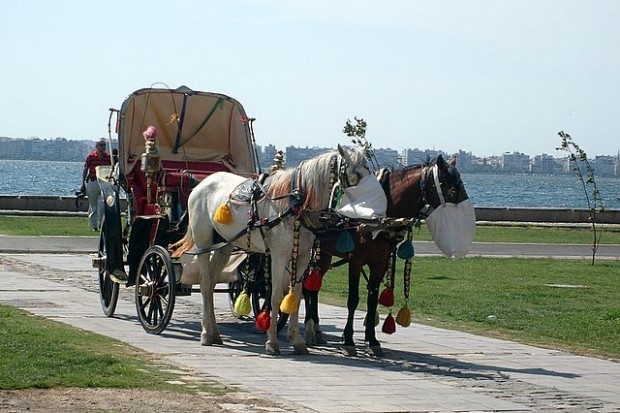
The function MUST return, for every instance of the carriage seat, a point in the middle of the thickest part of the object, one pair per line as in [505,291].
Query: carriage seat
[176,177]
[185,175]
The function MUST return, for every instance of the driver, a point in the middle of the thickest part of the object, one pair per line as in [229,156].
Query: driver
[95,158]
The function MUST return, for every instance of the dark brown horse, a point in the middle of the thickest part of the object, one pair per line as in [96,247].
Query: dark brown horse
[408,192]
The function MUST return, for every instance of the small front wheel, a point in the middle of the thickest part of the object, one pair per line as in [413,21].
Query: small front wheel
[108,289]
[155,289]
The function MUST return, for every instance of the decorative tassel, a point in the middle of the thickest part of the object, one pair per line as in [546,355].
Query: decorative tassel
[376,319]
[405,250]
[242,304]
[263,320]
[222,214]
[313,280]
[345,242]
[386,298]
[389,326]
[290,303]
[403,318]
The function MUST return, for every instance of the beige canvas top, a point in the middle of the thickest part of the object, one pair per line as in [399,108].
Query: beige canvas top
[191,125]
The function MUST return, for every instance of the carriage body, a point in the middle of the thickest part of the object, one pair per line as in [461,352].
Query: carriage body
[198,133]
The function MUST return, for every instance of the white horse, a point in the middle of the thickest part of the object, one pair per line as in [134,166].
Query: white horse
[313,179]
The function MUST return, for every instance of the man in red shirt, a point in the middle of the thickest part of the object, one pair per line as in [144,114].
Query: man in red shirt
[95,158]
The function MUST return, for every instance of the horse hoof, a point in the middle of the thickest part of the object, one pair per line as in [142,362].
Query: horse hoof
[320,338]
[300,350]
[210,340]
[376,351]
[272,350]
[350,351]
[311,338]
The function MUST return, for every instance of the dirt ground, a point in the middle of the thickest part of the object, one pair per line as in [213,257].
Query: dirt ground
[127,401]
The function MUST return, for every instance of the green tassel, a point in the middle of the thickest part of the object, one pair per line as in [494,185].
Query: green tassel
[405,250]
[345,242]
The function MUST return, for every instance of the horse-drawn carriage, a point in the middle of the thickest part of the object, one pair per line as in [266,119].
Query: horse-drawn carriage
[198,213]
[186,156]
[169,140]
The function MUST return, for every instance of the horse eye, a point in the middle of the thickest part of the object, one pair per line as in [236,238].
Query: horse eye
[353,179]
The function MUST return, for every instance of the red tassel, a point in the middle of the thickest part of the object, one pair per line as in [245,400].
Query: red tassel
[313,280]
[263,321]
[389,325]
[386,298]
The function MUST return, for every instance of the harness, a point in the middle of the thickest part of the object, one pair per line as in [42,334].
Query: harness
[254,191]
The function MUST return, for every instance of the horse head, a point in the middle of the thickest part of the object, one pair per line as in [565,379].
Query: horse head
[343,181]
[452,222]
[361,193]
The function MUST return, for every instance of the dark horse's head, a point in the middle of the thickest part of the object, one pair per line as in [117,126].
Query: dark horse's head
[449,180]
[452,221]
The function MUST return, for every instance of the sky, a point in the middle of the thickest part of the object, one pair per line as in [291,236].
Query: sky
[482,76]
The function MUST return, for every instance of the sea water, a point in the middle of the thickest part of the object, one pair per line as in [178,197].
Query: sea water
[486,190]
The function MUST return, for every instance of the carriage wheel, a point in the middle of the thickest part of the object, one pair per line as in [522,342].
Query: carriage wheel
[108,289]
[155,289]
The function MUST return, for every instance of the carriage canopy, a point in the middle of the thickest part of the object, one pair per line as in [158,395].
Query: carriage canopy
[192,126]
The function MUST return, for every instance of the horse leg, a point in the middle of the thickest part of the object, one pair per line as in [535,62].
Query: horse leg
[209,334]
[303,259]
[309,304]
[374,283]
[352,302]
[210,270]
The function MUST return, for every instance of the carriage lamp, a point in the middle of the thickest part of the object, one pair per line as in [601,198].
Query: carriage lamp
[150,160]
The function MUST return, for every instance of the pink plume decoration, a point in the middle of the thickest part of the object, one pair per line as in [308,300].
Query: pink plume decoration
[150,132]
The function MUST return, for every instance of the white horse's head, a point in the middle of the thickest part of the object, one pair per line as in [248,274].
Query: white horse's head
[342,180]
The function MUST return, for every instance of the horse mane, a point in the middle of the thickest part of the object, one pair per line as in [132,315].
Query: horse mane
[313,176]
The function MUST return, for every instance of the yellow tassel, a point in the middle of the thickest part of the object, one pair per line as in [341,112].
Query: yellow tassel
[242,304]
[222,214]
[290,303]
[403,318]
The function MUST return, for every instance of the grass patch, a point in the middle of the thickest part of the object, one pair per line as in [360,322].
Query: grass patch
[40,353]
[44,225]
[78,226]
[534,234]
[536,301]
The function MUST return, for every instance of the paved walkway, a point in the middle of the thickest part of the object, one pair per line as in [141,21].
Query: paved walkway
[86,245]
[426,369]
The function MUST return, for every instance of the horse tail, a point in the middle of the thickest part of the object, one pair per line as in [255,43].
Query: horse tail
[182,245]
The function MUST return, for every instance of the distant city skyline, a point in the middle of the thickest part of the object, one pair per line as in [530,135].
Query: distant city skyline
[507,162]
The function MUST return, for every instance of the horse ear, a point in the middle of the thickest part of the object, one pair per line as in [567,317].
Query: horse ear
[441,163]
[345,154]
[452,161]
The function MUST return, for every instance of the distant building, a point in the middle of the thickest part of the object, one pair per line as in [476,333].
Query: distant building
[605,165]
[515,162]
[545,164]
[294,155]
[387,157]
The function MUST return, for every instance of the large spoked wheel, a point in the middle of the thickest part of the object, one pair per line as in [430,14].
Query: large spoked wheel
[108,289]
[155,289]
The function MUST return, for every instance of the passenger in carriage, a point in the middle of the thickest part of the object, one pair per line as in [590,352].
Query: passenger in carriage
[90,186]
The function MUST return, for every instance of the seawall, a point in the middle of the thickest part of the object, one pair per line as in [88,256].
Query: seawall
[67,205]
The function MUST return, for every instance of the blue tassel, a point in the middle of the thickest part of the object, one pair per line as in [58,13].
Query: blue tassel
[345,242]
[405,250]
